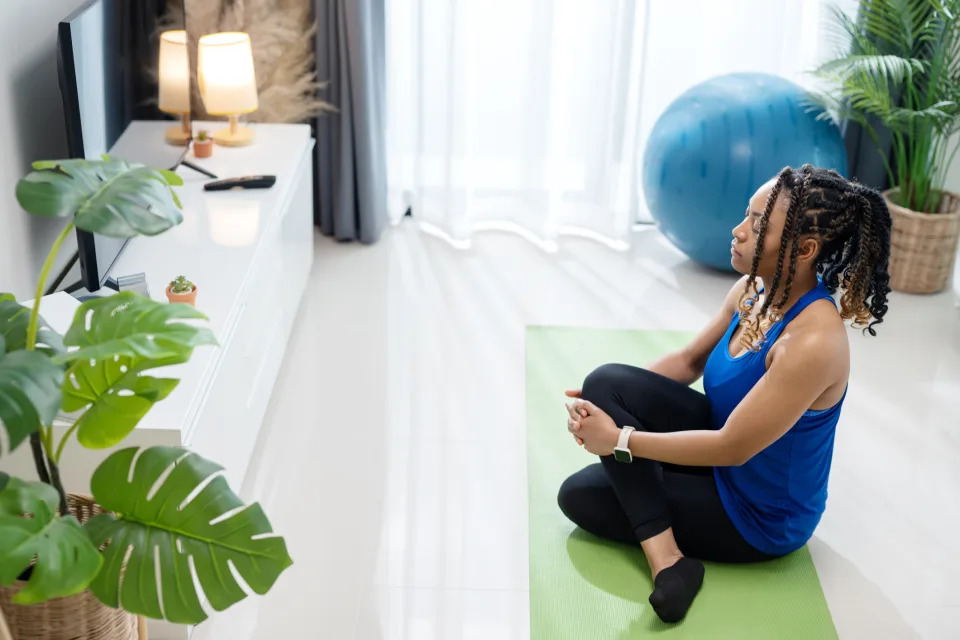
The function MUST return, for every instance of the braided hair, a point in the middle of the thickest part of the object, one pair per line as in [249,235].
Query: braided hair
[853,225]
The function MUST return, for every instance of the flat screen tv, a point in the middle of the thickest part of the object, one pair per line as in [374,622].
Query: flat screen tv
[106,51]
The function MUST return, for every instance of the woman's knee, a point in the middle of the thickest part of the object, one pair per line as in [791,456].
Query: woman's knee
[568,499]
[601,382]
[579,493]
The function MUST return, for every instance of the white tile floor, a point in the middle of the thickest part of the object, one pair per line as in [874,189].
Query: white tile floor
[394,456]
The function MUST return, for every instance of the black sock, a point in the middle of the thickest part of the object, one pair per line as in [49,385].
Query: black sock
[675,588]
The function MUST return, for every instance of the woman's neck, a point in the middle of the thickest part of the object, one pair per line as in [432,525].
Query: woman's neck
[802,284]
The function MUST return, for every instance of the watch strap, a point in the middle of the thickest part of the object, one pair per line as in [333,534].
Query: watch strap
[623,442]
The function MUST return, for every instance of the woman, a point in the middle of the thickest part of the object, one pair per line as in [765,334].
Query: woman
[738,474]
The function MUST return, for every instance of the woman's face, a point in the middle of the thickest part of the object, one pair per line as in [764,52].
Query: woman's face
[745,237]
[745,234]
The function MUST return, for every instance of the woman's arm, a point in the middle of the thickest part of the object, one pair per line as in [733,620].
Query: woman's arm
[686,365]
[702,448]
[797,376]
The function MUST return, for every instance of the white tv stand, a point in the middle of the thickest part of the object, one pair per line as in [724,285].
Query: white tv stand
[250,253]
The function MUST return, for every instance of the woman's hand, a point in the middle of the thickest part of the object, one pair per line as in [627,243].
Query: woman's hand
[593,428]
[573,421]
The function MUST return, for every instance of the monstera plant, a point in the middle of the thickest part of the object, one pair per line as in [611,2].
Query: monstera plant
[162,511]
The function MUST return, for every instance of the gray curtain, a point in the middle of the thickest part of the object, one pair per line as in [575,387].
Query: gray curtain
[350,198]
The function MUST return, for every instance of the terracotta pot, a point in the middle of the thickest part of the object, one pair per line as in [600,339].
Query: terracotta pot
[78,617]
[203,148]
[923,246]
[189,298]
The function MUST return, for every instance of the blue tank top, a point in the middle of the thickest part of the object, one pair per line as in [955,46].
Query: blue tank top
[775,499]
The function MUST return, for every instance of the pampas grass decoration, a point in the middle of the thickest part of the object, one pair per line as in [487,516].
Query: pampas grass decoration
[281,33]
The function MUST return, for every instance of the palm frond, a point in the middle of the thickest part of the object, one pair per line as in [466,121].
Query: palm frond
[920,13]
[897,68]
[841,32]
[870,98]
[894,68]
[883,19]
[949,8]
[936,116]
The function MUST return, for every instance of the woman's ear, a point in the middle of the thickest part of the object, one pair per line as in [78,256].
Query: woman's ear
[809,249]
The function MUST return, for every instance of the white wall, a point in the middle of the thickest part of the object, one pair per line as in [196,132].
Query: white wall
[953,184]
[953,173]
[31,128]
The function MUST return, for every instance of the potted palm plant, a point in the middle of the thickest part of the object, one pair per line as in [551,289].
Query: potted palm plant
[69,562]
[900,70]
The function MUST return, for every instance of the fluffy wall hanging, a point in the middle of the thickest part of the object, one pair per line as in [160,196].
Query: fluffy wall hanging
[281,32]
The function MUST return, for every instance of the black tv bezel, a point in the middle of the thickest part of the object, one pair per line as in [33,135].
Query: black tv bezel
[90,276]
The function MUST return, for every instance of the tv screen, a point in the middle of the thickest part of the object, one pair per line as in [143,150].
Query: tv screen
[107,63]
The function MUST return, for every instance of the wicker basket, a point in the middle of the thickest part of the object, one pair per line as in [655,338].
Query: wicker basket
[923,246]
[79,617]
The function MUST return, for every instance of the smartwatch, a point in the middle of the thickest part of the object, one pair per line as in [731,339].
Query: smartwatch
[622,451]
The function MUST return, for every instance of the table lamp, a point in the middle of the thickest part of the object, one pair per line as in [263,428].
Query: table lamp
[174,84]
[227,82]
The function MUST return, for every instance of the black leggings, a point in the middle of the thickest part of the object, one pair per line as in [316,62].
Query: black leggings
[632,502]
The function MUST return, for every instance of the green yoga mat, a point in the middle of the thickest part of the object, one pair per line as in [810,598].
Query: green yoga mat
[582,587]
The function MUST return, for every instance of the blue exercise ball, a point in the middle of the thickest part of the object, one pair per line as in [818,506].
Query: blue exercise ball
[720,141]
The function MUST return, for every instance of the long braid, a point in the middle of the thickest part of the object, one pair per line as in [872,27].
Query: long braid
[858,282]
[872,279]
[752,335]
[802,205]
[793,215]
[879,277]
[750,292]
[852,223]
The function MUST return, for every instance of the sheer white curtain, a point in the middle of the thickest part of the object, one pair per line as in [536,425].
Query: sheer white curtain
[531,115]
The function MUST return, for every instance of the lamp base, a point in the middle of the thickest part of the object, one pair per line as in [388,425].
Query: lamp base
[233,137]
[176,136]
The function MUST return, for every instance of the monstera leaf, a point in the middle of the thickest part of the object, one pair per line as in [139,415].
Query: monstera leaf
[120,337]
[128,324]
[109,196]
[169,523]
[66,560]
[115,395]
[29,392]
[14,319]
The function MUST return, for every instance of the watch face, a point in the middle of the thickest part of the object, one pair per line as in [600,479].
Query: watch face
[622,455]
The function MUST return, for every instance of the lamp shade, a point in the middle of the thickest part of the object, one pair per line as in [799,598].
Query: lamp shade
[174,73]
[227,81]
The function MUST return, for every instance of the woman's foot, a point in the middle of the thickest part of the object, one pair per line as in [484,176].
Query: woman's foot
[675,587]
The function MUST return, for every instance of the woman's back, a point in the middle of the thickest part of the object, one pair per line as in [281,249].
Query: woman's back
[777,497]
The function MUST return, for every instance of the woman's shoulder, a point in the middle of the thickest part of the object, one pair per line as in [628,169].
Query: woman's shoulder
[817,327]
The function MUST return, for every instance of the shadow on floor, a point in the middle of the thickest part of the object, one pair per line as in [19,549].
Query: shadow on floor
[594,559]
[782,596]
[866,612]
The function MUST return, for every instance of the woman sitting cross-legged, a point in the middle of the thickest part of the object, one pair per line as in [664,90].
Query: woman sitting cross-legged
[738,473]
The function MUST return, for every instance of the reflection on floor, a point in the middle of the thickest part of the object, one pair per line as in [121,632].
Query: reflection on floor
[393,458]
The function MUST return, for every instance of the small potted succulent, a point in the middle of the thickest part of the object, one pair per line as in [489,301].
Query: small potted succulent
[182,290]
[203,144]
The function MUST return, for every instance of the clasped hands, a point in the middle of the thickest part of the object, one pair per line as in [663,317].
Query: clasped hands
[590,426]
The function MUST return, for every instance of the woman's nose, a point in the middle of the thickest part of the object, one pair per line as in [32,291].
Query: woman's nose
[740,233]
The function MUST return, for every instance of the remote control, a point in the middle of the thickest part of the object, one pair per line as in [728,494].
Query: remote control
[245,182]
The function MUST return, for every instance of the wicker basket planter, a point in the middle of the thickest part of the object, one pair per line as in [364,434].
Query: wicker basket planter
[923,246]
[79,617]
